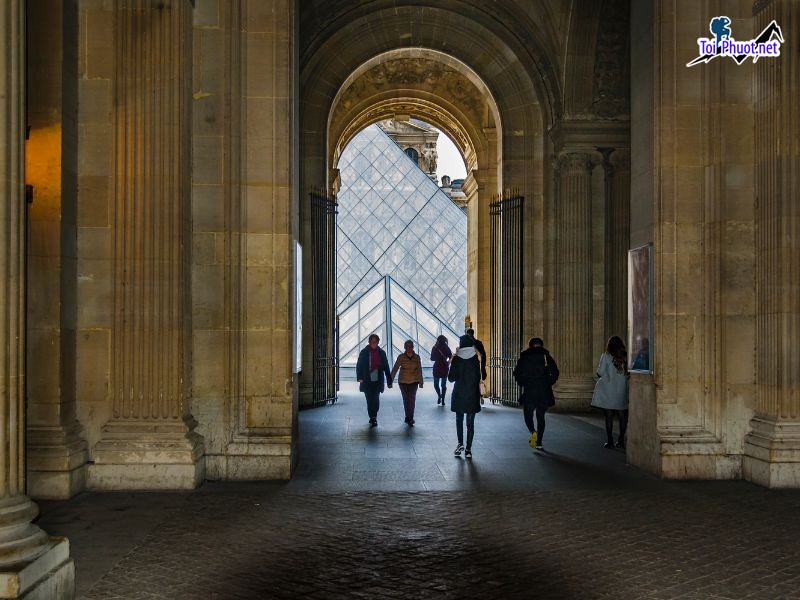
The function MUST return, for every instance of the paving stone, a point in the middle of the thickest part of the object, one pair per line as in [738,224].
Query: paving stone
[572,523]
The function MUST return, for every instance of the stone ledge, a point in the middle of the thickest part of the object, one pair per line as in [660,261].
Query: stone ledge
[772,453]
[50,576]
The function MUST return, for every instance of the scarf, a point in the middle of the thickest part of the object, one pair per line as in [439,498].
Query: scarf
[374,359]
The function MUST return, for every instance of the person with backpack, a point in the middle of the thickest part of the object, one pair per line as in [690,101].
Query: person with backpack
[465,401]
[536,373]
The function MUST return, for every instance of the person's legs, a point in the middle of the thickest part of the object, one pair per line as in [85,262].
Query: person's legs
[411,401]
[470,429]
[609,427]
[444,388]
[372,394]
[540,412]
[623,426]
[438,389]
[460,428]
[404,394]
[527,413]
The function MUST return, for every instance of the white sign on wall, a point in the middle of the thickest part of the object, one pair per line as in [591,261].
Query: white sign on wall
[298,310]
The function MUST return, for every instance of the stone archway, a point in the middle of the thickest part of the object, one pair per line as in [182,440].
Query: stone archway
[388,76]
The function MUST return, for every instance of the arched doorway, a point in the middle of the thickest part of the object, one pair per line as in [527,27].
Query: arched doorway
[389,79]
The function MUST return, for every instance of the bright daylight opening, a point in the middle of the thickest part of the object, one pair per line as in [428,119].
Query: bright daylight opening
[401,240]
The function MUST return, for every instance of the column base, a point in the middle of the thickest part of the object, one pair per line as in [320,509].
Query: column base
[574,393]
[135,455]
[772,453]
[56,462]
[261,458]
[49,576]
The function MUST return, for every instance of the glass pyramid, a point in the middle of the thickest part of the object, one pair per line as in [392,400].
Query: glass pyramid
[394,221]
[410,320]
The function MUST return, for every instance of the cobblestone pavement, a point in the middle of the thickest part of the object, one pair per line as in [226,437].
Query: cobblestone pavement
[392,514]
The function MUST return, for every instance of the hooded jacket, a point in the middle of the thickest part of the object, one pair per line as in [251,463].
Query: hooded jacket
[465,373]
[536,372]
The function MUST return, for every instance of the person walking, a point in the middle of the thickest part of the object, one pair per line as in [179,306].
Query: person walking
[536,373]
[410,366]
[371,368]
[481,350]
[611,389]
[441,355]
[465,401]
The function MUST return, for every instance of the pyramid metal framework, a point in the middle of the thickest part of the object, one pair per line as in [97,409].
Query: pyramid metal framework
[395,221]
[387,302]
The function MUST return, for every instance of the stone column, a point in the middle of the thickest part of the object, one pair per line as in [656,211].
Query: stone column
[618,210]
[772,448]
[149,443]
[573,350]
[31,564]
[56,451]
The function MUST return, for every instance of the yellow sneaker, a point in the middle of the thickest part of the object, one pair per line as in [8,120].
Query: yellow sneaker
[532,440]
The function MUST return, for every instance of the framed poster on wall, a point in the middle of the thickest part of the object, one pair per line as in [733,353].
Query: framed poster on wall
[640,308]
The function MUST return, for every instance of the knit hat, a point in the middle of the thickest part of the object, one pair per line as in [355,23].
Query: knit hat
[466,341]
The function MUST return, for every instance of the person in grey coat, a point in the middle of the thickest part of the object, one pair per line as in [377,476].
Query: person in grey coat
[465,401]
[611,389]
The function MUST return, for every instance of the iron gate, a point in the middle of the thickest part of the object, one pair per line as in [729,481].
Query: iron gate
[506,216]
[323,298]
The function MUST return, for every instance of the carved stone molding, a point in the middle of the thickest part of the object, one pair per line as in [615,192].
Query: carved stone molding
[575,162]
[421,109]
[431,75]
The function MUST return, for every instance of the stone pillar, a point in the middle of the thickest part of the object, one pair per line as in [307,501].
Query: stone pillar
[31,564]
[149,443]
[573,350]
[56,451]
[772,447]
[618,210]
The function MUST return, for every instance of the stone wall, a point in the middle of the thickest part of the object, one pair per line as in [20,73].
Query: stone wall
[701,210]
[244,199]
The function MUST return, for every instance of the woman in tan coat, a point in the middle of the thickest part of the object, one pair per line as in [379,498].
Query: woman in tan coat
[410,367]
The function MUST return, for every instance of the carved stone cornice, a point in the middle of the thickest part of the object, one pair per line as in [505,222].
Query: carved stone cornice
[570,135]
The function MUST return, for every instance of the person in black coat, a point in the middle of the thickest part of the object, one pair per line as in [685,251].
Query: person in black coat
[536,373]
[371,369]
[465,374]
[480,349]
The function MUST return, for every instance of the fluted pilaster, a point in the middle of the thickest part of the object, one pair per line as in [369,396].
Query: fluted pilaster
[149,368]
[772,448]
[618,217]
[574,265]
[22,544]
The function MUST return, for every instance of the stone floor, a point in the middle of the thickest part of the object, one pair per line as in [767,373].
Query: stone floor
[390,513]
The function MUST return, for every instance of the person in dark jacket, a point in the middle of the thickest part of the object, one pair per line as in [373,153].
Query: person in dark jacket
[536,373]
[465,373]
[441,355]
[479,348]
[371,368]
